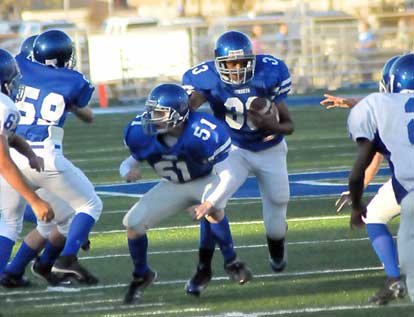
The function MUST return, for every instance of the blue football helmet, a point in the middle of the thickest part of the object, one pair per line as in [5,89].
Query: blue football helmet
[384,83]
[26,49]
[236,47]
[54,48]
[166,107]
[402,74]
[10,76]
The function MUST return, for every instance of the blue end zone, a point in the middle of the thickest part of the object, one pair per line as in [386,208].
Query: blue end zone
[301,185]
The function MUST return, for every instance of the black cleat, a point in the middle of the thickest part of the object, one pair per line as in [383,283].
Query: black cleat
[278,254]
[238,271]
[138,284]
[394,288]
[198,282]
[45,272]
[86,245]
[9,280]
[68,265]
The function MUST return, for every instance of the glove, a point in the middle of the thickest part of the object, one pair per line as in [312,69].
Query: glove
[345,198]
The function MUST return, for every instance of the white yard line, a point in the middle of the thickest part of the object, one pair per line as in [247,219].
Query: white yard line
[242,223]
[249,246]
[217,278]
[159,312]
[112,307]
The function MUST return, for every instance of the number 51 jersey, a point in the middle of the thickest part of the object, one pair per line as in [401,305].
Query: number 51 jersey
[203,143]
[388,121]
[48,94]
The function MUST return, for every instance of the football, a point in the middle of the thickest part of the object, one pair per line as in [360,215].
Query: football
[263,106]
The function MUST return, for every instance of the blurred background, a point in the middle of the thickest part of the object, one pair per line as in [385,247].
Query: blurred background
[125,47]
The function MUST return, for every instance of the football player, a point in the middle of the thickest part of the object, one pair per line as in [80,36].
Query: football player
[230,84]
[384,123]
[381,209]
[182,147]
[9,173]
[53,89]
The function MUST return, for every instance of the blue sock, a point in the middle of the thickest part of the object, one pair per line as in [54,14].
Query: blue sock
[138,250]
[78,232]
[6,247]
[29,215]
[384,246]
[23,256]
[222,236]
[50,254]
[206,236]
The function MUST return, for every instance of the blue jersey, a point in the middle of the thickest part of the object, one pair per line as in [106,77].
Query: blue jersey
[203,142]
[49,91]
[230,102]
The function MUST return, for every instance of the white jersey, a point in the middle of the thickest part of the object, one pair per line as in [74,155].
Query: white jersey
[388,121]
[9,116]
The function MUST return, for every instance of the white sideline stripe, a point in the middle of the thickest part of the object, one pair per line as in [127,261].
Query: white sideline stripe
[153,313]
[242,223]
[117,307]
[97,301]
[218,278]
[250,246]
[42,298]
[306,310]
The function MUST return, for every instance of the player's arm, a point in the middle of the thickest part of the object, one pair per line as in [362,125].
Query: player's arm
[13,176]
[129,170]
[196,100]
[366,152]
[370,172]
[85,114]
[331,101]
[24,148]
[276,121]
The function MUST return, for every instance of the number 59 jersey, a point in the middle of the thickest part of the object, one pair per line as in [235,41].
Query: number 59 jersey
[203,143]
[388,121]
[230,103]
[48,94]
[9,116]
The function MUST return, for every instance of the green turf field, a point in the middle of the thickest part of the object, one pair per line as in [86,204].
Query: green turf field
[331,270]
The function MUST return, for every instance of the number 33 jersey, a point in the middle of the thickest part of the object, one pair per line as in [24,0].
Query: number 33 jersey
[231,102]
[203,143]
[387,120]
[48,94]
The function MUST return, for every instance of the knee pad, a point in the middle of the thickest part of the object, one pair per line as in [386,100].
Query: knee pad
[135,218]
[44,228]
[93,208]
[11,228]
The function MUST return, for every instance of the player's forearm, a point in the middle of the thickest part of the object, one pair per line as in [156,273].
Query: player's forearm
[224,190]
[21,146]
[127,165]
[372,169]
[286,128]
[196,100]
[84,114]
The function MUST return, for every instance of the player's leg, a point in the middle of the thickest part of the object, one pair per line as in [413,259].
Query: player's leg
[160,202]
[381,209]
[406,241]
[270,169]
[11,222]
[36,240]
[72,186]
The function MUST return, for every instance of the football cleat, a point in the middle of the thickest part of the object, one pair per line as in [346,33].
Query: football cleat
[86,245]
[68,265]
[45,272]
[198,282]
[9,280]
[394,288]
[138,284]
[278,264]
[238,271]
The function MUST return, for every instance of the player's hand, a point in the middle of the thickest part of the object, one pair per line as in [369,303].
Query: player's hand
[37,163]
[263,121]
[344,199]
[337,102]
[356,220]
[133,175]
[197,212]
[43,210]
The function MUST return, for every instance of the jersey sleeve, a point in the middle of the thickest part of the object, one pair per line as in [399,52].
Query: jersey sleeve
[283,83]
[9,118]
[134,139]
[361,120]
[199,78]
[215,148]
[85,92]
